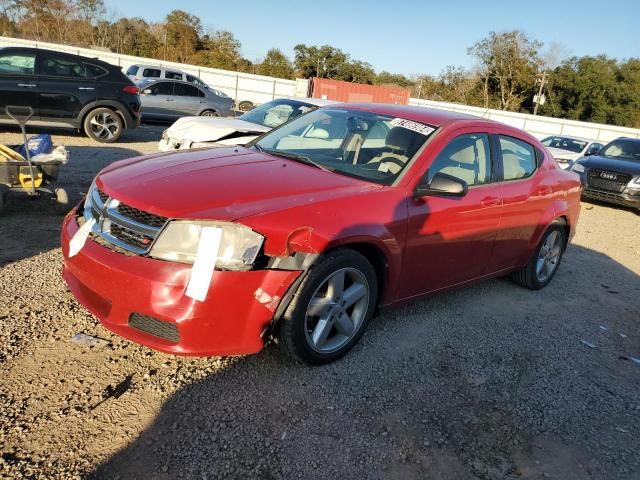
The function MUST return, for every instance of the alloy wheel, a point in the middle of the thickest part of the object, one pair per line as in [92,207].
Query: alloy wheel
[549,256]
[105,125]
[337,310]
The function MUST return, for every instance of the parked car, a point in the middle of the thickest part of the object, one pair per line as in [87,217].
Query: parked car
[613,175]
[303,233]
[172,99]
[567,149]
[195,132]
[68,91]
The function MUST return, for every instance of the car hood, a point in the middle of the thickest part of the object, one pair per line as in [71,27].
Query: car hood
[211,129]
[221,184]
[559,153]
[631,167]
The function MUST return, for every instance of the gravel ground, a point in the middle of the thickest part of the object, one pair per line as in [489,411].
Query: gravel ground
[489,382]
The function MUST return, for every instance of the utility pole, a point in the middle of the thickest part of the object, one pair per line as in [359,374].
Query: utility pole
[538,98]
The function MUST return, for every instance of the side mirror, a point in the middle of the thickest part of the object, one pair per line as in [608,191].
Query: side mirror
[592,151]
[442,185]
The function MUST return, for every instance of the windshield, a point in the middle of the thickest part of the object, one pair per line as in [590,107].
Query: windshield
[273,114]
[623,148]
[565,143]
[360,144]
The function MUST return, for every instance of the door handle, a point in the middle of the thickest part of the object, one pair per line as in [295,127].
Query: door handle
[170,100]
[542,191]
[490,201]
[27,85]
[86,88]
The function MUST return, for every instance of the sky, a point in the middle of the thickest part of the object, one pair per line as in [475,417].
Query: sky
[408,36]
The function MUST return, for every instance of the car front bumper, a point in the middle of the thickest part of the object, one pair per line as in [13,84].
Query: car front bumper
[627,196]
[143,300]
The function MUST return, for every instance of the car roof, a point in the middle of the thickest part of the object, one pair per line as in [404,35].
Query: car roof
[431,116]
[572,137]
[158,67]
[93,60]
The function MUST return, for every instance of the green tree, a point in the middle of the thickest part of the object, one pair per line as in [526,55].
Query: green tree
[276,64]
[220,50]
[181,36]
[508,61]
[356,72]
[314,61]
[387,78]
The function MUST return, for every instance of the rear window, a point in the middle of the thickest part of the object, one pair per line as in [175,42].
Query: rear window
[132,70]
[161,88]
[54,66]
[187,90]
[94,71]
[151,73]
[173,75]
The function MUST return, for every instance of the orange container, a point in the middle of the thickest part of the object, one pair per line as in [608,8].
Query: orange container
[357,92]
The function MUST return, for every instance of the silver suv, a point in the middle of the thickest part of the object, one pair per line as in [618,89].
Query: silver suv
[141,74]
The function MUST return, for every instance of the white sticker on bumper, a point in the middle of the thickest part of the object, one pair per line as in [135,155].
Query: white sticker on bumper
[80,237]
[205,263]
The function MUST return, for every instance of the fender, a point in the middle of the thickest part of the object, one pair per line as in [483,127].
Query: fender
[127,118]
[558,209]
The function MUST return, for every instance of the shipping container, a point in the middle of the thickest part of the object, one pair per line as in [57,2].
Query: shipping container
[357,92]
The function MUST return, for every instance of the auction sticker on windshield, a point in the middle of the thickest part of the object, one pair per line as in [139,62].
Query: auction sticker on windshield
[414,126]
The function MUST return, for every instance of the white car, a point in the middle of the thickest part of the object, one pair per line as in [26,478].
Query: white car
[567,149]
[203,132]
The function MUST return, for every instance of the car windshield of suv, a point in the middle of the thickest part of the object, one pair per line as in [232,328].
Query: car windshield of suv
[623,148]
[360,144]
[274,114]
[564,143]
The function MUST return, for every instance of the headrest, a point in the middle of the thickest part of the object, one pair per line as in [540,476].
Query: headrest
[399,138]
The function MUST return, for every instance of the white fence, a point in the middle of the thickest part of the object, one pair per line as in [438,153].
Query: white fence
[259,89]
[240,86]
[537,125]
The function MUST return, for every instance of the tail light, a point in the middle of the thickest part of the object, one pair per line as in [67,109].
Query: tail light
[132,89]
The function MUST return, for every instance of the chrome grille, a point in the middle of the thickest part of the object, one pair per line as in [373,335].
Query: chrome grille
[121,225]
[607,180]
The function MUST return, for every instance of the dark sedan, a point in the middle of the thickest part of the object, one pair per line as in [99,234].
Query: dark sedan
[613,175]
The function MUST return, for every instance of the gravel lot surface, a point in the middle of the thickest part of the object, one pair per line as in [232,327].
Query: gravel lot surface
[489,382]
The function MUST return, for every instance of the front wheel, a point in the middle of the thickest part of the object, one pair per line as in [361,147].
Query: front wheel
[103,125]
[209,113]
[331,308]
[545,260]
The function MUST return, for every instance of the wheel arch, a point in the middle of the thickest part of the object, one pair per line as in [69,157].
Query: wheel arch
[111,105]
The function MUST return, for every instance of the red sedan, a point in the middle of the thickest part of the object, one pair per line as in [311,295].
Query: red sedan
[305,232]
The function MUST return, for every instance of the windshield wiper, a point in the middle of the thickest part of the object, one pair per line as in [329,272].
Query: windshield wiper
[296,157]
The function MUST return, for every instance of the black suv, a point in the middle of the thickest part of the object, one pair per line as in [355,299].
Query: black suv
[68,90]
[613,174]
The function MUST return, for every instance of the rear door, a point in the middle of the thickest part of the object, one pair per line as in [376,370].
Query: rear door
[65,86]
[189,99]
[527,192]
[18,81]
[158,101]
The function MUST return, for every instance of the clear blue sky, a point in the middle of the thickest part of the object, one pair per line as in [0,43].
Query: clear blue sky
[408,36]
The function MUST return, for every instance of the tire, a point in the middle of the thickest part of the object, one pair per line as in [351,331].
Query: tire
[333,327]
[4,195]
[245,106]
[540,271]
[103,125]
[209,113]
[62,205]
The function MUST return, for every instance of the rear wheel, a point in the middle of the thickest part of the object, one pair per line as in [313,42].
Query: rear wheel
[331,308]
[545,260]
[245,106]
[4,195]
[209,113]
[103,125]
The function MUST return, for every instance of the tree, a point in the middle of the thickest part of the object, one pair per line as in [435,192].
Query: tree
[220,50]
[314,61]
[181,36]
[276,64]
[508,61]
[387,78]
[356,72]
[134,37]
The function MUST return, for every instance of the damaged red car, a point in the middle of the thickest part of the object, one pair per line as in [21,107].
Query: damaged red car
[304,233]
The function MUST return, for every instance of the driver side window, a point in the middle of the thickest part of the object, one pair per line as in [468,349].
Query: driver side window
[467,158]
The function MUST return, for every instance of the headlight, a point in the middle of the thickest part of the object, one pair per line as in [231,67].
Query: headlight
[578,168]
[204,145]
[179,240]
[637,180]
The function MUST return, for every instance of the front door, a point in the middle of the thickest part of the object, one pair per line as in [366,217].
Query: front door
[450,239]
[158,101]
[18,82]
